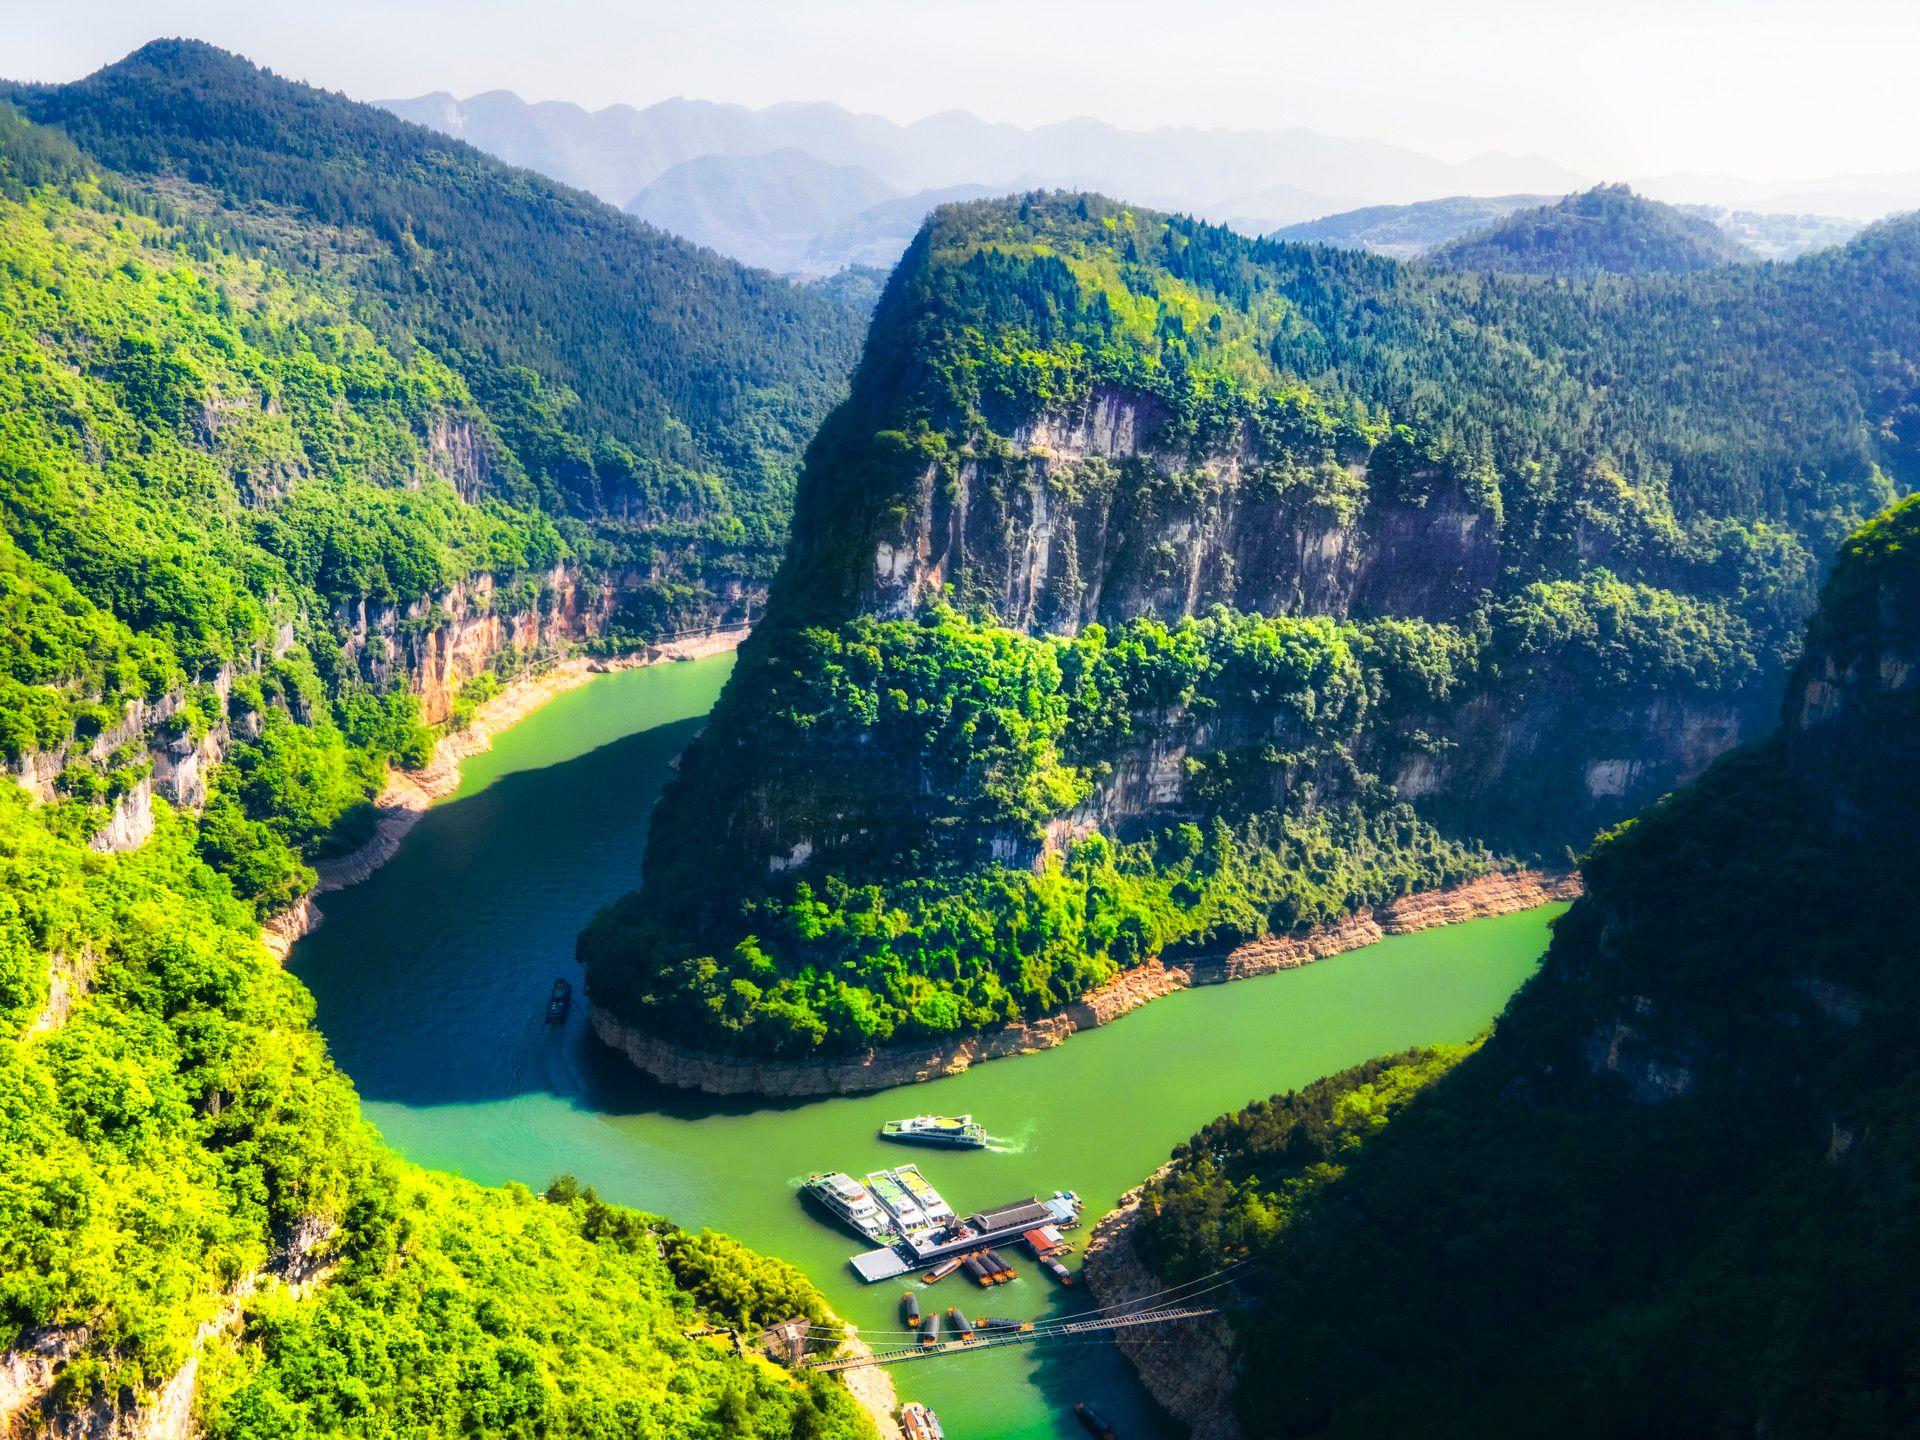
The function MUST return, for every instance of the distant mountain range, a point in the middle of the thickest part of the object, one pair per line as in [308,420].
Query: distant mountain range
[773,187]
[810,188]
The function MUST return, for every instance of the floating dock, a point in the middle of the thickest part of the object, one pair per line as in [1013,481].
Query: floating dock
[933,1245]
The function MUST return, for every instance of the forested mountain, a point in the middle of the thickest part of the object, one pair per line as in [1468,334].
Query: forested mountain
[1405,231]
[1605,231]
[1408,231]
[635,381]
[249,516]
[1675,1193]
[1156,588]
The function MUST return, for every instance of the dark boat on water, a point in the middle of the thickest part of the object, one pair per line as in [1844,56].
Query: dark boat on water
[1095,1422]
[559,1002]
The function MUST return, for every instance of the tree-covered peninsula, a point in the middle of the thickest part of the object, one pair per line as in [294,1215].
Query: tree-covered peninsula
[256,522]
[1674,1192]
[1156,588]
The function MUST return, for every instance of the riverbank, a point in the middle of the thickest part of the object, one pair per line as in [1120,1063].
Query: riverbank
[883,1067]
[1191,1381]
[408,794]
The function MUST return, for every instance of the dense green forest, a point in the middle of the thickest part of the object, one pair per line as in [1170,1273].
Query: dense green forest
[635,380]
[210,460]
[204,461]
[171,1132]
[1531,569]
[1674,1193]
[1608,230]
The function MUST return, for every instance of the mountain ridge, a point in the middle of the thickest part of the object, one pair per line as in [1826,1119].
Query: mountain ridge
[1157,588]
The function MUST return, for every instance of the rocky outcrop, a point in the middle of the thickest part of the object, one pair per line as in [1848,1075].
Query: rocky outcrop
[28,1374]
[409,794]
[886,1066]
[1193,1380]
[1087,515]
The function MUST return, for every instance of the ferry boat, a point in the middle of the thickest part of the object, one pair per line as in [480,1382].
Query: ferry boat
[849,1202]
[959,1131]
[930,1201]
[897,1201]
[917,1422]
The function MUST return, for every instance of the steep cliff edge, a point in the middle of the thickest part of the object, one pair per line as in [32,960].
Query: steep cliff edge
[1157,590]
[1690,1135]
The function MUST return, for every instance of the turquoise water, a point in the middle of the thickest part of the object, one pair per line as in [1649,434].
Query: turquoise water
[432,979]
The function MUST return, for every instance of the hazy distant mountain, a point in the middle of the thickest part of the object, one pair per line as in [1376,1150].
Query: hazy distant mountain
[1278,205]
[878,235]
[761,209]
[619,151]
[1606,230]
[1778,237]
[1858,197]
[1405,231]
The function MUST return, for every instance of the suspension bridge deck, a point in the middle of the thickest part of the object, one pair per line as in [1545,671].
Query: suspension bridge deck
[995,1340]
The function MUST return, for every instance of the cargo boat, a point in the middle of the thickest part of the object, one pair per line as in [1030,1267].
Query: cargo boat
[917,1422]
[849,1202]
[955,1131]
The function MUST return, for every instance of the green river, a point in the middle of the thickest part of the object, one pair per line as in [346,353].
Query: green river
[432,980]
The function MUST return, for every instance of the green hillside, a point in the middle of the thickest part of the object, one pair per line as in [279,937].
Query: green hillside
[657,391]
[213,465]
[1604,231]
[1157,588]
[1675,1192]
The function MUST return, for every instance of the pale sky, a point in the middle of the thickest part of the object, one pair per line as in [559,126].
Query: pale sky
[1769,89]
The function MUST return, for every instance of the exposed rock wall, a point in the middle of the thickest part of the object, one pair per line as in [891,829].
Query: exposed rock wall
[1192,1380]
[432,646]
[1086,518]
[886,1066]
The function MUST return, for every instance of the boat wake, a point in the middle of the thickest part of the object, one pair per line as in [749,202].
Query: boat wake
[1010,1144]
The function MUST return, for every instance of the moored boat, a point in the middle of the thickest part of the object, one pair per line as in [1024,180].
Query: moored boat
[849,1202]
[958,1131]
[917,1422]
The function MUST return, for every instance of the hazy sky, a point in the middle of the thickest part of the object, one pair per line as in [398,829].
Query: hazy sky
[1614,88]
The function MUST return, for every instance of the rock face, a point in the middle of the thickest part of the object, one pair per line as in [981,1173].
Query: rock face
[1192,1380]
[432,646]
[28,1374]
[1086,518]
[886,1066]
[1852,712]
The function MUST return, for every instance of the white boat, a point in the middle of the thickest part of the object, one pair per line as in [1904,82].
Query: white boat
[898,1201]
[850,1202]
[958,1131]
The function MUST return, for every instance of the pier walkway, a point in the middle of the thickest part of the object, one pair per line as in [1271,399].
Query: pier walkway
[995,1339]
